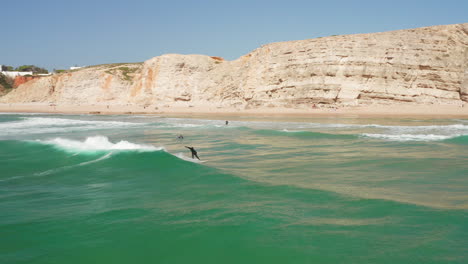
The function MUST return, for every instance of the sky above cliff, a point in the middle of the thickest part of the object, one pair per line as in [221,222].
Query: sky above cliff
[57,34]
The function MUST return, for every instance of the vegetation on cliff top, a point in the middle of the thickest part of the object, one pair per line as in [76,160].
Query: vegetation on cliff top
[26,68]
[6,82]
[112,65]
[124,72]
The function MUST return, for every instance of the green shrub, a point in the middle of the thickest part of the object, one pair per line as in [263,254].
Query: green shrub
[31,68]
[6,82]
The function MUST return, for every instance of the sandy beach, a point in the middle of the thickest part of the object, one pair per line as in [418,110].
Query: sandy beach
[428,111]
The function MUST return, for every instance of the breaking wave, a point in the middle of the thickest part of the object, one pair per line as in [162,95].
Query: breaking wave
[97,143]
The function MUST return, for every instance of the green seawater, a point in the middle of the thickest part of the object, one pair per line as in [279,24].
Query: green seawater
[124,189]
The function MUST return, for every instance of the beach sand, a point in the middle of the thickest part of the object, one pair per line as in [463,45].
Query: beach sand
[428,111]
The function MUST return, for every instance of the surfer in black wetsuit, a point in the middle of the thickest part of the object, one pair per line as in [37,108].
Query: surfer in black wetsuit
[227,122]
[194,152]
[180,137]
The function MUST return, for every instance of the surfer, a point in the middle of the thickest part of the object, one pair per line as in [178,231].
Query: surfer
[194,152]
[227,122]
[180,137]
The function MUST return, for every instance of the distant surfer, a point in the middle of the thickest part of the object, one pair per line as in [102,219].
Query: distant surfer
[194,152]
[227,122]
[180,137]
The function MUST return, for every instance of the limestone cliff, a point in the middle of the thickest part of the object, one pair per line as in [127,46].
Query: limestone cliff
[417,66]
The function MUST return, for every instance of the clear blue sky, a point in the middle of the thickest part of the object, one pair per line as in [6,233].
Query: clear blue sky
[61,33]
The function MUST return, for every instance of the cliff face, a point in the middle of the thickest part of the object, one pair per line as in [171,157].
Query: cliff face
[19,80]
[418,66]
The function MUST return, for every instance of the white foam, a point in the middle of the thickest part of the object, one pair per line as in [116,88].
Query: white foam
[12,113]
[444,129]
[431,128]
[180,155]
[395,127]
[97,143]
[182,125]
[391,127]
[51,121]
[409,137]
[33,125]
[291,131]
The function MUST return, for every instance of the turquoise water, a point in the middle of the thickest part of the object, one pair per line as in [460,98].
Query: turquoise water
[123,189]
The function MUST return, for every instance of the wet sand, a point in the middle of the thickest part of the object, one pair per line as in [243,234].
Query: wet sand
[428,111]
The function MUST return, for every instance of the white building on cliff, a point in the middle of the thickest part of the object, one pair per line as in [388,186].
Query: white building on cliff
[13,74]
[76,67]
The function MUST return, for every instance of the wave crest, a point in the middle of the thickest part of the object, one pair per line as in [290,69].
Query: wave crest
[97,143]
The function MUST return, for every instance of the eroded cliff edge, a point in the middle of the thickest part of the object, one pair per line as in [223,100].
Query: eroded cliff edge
[416,66]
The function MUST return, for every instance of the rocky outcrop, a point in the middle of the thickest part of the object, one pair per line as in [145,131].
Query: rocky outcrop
[417,66]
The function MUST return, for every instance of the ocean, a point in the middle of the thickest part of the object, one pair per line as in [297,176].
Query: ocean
[124,189]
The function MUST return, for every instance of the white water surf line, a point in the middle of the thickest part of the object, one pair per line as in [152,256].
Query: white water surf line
[37,125]
[410,137]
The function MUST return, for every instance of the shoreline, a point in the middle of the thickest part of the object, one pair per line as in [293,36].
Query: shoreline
[420,111]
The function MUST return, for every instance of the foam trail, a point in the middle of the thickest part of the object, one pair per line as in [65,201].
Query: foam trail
[12,178]
[47,172]
[97,143]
